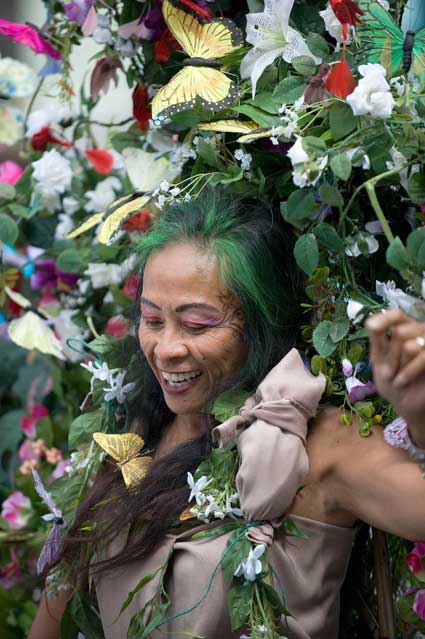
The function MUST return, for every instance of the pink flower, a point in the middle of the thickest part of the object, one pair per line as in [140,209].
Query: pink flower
[16,510]
[131,285]
[347,367]
[117,326]
[28,451]
[416,560]
[419,604]
[62,469]
[104,72]
[10,172]
[10,574]
[29,423]
[357,390]
[24,34]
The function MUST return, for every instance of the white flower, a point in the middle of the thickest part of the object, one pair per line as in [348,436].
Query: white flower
[354,311]
[102,274]
[332,25]
[372,96]
[16,79]
[52,114]
[102,34]
[306,170]
[53,175]
[196,488]
[251,566]
[396,298]
[103,195]
[117,390]
[354,244]
[70,205]
[362,159]
[244,158]
[65,226]
[65,328]
[272,37]
[99,371]
[296,153]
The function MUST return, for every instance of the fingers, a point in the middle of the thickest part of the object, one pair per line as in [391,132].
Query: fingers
[414,366]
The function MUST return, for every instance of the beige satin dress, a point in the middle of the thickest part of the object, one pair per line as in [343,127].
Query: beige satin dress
[271,432]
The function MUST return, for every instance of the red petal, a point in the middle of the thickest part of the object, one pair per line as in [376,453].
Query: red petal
[347,11]
[340,81]
[141,109]
[102,161]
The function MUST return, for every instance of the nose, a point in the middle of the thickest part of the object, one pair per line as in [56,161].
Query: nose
[170,346]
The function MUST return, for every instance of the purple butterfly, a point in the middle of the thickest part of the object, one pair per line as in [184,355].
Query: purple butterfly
[53,543]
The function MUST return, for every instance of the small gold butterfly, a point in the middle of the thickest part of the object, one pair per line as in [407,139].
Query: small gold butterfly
[125,450]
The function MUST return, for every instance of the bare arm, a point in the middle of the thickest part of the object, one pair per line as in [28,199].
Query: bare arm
[48,618]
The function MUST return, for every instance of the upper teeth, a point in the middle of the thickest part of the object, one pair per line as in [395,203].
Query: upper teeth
[180,377]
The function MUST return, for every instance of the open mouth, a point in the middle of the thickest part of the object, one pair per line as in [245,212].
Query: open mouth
[180,380]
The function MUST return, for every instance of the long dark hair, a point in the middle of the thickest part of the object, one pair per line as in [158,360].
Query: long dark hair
[254,252]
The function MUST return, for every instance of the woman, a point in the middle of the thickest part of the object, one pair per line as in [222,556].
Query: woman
[219,309]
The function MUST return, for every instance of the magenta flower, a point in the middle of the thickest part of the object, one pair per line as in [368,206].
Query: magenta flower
[416,560]
[30,37]
[419,604]
[29,422]
[10,172]
[48,276]
[77,11]
[10,574]
[357,390]
[16,510]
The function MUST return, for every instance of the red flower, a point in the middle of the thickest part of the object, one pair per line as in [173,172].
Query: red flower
[139,222]
[29,423]
[347,12]
[104,72]
[141,109]
[164,46]
[340,81]
[102,161]
[131,285]
[40,140]
[118,326]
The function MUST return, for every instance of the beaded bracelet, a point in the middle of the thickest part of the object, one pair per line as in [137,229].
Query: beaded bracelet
[397,434]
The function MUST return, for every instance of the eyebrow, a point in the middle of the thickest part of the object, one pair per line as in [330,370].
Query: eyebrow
[183,307]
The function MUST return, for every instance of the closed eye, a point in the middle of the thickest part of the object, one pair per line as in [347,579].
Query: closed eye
[152,323]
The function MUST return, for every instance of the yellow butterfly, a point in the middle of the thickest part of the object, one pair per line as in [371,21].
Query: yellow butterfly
[113,217]
[200,82]
[250,129]
[125,450]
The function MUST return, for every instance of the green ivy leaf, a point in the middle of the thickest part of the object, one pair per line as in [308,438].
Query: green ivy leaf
[416,187]
[228,404]
[300,205]
[314,146]
[341,166]
[69,261]
[318,45]
[289,89]
[240,547]
[258,115]
[416,247]
[306,253]
[328,236]
[240,603]
[339,330]
[7,192]
[267,102]
[207,153]
[305,65]
[397,255]
[322,341]
[85,615]
[331,195]
[8,229]
[82,428]
[341,120]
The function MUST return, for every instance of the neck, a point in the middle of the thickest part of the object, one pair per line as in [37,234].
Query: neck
[182,429]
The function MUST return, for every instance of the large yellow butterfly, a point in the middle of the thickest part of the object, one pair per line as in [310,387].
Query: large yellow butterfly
[200,82]
[113,217]
[125,450]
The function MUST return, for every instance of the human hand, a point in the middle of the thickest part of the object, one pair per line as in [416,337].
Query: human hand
[398,361]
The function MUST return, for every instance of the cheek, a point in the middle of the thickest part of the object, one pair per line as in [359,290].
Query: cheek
[146,342]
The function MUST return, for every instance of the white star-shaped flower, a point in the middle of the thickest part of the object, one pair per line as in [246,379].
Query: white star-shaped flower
[251,566]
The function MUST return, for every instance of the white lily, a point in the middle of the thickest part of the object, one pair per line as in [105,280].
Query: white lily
[251,566]
[270,34]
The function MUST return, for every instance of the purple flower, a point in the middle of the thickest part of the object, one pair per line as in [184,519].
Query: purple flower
[77,11]
[48,276]
[347,367]
[419,604]
[155,22]
[358,390]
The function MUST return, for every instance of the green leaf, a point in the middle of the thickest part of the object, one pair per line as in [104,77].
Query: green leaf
[234,174]
[366,409]
[289,89]
[145,580]
[267,102]
[68,628]
[291,528]
[85,616]
[397,255]
[314,146]
[18,210]
[328,236]
[193,116]
[82,428]
[318,45]
[69,261]
[341,166]
[8,229]
[305,65]
[416,187]
[416,247]
[7,192]
[228,404]
[121,141]
[207,153]
[240,603]
[341,120]
[306,253]
[300,205]
[239,551]
[331,195]
[339,330]
[258,115]
[322,341]
[102,344]
[218,530]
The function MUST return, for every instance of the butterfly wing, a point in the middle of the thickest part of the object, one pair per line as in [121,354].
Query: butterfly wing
[229,126]
[134,470]
[118,212]
[419,53]
[122,448]
[211,40]
[88,224]
[194,85]
[381,37]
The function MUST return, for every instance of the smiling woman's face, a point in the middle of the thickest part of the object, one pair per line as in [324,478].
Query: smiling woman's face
[191,326]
